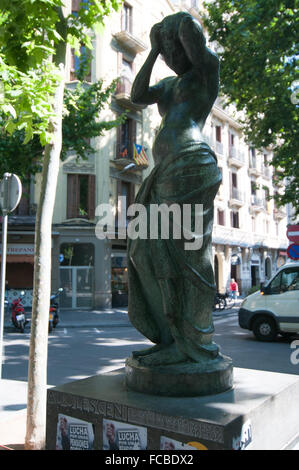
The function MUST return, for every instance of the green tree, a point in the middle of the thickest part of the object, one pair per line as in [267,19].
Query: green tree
[33,38]
[82,107]
[258,42]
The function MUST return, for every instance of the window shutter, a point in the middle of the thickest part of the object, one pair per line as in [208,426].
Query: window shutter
[72,196]
[91,196]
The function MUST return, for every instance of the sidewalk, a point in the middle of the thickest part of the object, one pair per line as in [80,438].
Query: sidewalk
[13,393]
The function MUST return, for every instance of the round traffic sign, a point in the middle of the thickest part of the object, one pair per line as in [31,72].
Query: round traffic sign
[10,192]
[293,251]
[293,233]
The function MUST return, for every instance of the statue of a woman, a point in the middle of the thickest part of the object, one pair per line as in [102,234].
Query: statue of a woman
[171,289]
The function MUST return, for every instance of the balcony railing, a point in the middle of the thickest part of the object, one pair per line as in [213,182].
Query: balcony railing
[237,194]
[258,202]
[123,94]
[266,171]
[130,42]
[236,157]
[219,147]
[254,168]
[124,86]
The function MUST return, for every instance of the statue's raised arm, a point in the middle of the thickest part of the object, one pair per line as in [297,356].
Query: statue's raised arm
[194,44]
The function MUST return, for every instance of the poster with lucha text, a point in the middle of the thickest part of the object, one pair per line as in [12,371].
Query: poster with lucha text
[123,436]
[74,434]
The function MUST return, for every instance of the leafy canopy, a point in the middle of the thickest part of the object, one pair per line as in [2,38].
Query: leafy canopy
[258,48]
[31,35]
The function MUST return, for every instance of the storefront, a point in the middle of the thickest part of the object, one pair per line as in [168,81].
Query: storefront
[19,270]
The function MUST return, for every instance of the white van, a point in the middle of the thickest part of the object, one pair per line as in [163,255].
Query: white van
[274,309]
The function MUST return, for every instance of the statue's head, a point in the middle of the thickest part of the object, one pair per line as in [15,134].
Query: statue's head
[171,47]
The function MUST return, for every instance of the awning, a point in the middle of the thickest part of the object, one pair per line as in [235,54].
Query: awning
[19,259]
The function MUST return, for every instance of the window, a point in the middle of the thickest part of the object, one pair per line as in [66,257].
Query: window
[77,254]
[81,196]
[290,279]
[126,18]
[252,157]
[234,180]
[126,137]
[23,207]
[218,133]
[127,191]
[287,280]
[80,65]
[235,219]
[231,139]
[126,74]
[220,217]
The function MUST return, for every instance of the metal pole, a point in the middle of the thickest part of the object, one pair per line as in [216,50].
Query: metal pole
[2,291]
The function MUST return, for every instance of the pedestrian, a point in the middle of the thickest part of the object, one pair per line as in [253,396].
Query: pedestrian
[234,289]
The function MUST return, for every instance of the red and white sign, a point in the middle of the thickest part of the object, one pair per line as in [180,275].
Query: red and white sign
[293,233]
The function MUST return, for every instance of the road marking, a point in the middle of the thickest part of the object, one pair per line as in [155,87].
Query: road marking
[226,320]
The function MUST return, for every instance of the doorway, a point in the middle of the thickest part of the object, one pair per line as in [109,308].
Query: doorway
[254,275]
[77,283]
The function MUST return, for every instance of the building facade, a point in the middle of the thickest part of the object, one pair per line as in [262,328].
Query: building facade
[249,241]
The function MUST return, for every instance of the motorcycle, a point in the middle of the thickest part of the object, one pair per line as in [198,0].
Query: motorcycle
[54,307]
[220,301]
[18,316]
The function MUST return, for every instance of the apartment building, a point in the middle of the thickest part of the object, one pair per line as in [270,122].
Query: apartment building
[249,240]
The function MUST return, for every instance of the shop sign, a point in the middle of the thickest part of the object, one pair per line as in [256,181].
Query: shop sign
[19,249]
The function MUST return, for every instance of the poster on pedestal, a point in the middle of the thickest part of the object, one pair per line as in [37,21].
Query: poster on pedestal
[74,434]
[123,436]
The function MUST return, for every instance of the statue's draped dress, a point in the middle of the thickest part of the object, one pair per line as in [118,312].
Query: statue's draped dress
[163,275]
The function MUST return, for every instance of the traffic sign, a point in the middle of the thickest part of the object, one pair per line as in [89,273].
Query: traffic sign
[10,192]
[293,251]
[293,233]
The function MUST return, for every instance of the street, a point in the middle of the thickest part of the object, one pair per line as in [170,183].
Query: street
[76,353]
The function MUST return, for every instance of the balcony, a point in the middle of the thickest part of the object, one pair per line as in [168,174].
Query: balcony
[279,213]
[219,147]
[130,42]
[254,168]
[236,198]
[266,172]
[257,204]
[123,94]
[235,157]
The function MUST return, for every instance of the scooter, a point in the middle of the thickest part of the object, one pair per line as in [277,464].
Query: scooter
[54,307]
[18,316]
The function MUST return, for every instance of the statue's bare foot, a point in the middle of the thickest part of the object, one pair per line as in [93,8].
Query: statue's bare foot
[167,355]
[145,352]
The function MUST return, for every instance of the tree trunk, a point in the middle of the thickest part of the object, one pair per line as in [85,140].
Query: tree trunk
[38,355]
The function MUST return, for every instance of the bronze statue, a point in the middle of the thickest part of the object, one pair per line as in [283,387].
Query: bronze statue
[171,290]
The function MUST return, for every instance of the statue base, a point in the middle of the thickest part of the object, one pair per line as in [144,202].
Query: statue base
[186,379]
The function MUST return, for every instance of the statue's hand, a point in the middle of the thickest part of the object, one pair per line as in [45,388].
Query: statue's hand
[155,36]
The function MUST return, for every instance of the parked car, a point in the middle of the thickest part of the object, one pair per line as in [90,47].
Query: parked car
[274,309]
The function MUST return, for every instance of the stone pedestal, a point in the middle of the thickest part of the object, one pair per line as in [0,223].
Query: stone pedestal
[261,411]
[180,380]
